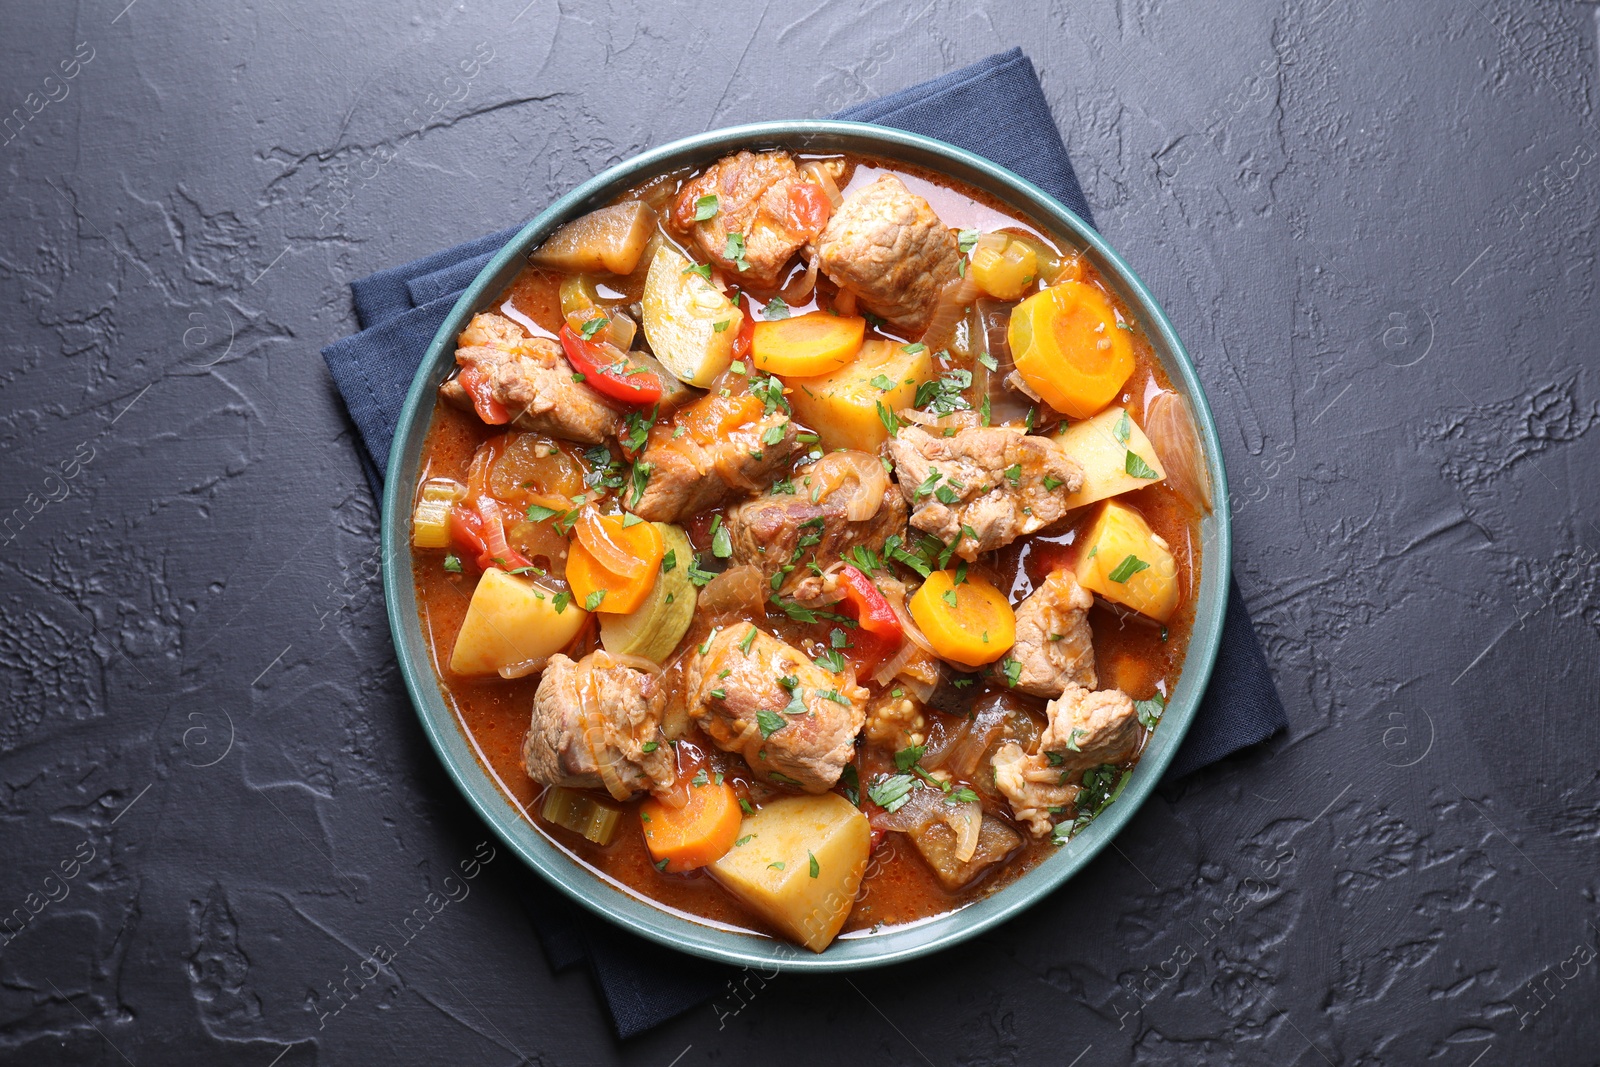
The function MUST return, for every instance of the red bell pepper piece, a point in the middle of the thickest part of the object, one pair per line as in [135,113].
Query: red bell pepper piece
[484,403]
[880,633]
[606,368]
[469,531]
[747,330]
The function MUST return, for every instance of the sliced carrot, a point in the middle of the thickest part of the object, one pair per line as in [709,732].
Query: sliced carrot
[597,588]
[967,622]
[814,343]
[697,833]
[1069,348]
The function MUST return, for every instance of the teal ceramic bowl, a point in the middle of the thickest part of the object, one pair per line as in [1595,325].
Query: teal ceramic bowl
[617,902]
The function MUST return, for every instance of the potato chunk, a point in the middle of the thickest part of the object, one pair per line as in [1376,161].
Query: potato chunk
[511,620]
[843,406]
[1125,561]
[799,863]
[1102,445]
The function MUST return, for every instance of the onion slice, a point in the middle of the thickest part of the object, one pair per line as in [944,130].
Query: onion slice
[738,589]
[1169,424]
[927,806]
[594,536]
[952,305]
[837,470]
[798,291]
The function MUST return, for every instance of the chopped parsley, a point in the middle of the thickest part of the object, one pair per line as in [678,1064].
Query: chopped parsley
[593,326]
[907,758]
[1129,566]
[721,539]
[964,795]
[830,660]
[945,394]
[720,326]
[773,434]
[593,601]
[988,361]
[1072,742]
[699,576]
[669,561]
[452,563]
[561,601]
[949,597]
[776,309]
[640,479]
[706,207]
[638,428]
[1101,785]
[891,422]
[913,349]
[850,778]
[1013,671]
[649,746]
[1135,465]
[1052,484]
[966,239]
[816,868]
[882,382]
[748,640]
[744,806]
[776,865]
[1149,711]
[890,792]
[702,269]
[734,251]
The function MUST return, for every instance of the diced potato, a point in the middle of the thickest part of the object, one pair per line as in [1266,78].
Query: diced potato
[799,863]
[690,324]
[843,406]
[656,627]
[509,621]
[1101,445]
[611,239]
[1123,560]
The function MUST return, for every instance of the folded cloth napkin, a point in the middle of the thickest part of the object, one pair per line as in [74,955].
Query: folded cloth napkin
[994,108]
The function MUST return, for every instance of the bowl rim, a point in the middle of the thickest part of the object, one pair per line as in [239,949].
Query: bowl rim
[627,908]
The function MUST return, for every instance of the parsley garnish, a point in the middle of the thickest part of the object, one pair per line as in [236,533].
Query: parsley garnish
[773,434]
[945,393]
[721,539]
[907,758]
[1052,484]
[706,207]
[734,251]
[776,309]
[1149,711]
[815,868]
[890,792]
[452,563]
[964,795]
[592,327]
[891,422]
[988,361]
[965,239]
[594,600]
[698,576]
[702,269]
[1072,742]
[776,865]
[830,660]
[720,326]
[1129,566]
[1013,671]
[748,640]
[882,382]
[1014,475]
[1135,465]
[850,778]
[669,561]
[1123,429]
[561,601]
[949,597]
[649,746]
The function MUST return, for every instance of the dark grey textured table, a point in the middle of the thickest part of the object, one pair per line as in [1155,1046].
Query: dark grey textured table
[1373,224]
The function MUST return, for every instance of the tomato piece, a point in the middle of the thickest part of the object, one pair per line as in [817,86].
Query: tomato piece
[478,388]
[607,370]
[880,633]
[808,208]
[473,535]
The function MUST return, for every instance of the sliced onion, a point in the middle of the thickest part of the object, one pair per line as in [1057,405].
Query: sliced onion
[494,530]
[838,470]
[1170,426]
[798,291]
[965,821]
[592,716]
[844,302]
[738,590]
[1006,405]
[621,329]
[524,668]
[637,663]
[954,299]
[892,666]
[593,535]
[917,687]
[928,806]
[821,175]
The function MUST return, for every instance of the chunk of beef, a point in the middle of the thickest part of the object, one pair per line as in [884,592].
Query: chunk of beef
[791,531]
[794,722]
[1054,643]
[887,246]
[597,725]
[1087,728]
[531,378]
[728,447]
[756,201]
[986,485]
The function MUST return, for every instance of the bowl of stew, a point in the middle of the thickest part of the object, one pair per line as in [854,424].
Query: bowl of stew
[799,544]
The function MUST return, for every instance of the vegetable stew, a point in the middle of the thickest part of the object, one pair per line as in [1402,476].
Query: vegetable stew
[808,543]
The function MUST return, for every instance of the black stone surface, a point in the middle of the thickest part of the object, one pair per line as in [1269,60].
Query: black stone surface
[1374,225]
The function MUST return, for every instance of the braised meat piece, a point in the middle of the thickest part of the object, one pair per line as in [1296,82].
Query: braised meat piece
[759,203]
[597,725]
[531,378]
[986,485]
[887,246]
[1087,728]
[811,523]
[1054,644]
[717,449]
[794,722]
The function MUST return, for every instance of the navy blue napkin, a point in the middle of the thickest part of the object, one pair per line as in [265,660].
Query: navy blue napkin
[994,108]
